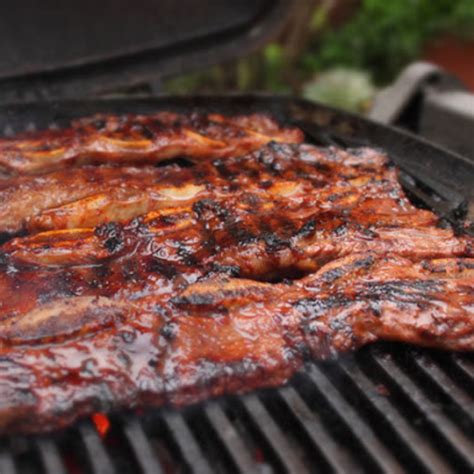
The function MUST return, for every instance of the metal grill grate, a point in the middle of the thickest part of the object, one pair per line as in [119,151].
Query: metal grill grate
[388,408]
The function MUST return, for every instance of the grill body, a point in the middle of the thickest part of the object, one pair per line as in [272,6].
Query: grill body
[386,408]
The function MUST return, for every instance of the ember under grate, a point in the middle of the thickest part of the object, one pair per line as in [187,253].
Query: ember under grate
[387,408]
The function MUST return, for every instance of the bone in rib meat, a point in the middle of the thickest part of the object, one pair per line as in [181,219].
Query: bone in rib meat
[132,139]
[220,335]
[88,196]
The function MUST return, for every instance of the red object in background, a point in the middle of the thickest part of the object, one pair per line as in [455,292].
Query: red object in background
[455,55]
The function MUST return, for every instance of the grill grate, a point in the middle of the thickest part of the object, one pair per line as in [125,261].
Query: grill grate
[387,408]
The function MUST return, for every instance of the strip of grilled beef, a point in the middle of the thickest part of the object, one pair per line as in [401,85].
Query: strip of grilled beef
[89,196]
[219,335]
[135,139]
[37,270]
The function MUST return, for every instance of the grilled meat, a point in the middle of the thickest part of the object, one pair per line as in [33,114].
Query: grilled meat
[138,139]
[76,355]
[174,284]
[89,196]
[180,249]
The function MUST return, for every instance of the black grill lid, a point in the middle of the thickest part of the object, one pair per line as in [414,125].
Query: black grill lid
[54,49]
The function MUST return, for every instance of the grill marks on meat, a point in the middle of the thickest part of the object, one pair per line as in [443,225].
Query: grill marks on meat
[261,235]
[86,197]
[175,284]
[132,139]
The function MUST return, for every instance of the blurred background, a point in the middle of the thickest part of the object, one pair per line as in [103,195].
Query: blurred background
[341,52]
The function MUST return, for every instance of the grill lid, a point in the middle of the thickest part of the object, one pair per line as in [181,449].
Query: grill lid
[54,50]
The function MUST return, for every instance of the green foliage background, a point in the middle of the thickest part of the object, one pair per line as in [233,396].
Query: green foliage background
[385,35]
[368,51]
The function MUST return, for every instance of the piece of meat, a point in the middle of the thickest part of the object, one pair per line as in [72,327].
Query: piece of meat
[87,197]
[221,335]
[267,243]
[250,231]
[135,139]
[46,201]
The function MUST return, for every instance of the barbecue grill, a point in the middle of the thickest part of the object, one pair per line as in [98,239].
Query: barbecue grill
[386,408]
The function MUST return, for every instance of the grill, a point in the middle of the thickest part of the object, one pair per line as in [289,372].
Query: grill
[387,408]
